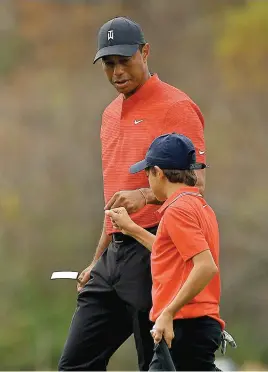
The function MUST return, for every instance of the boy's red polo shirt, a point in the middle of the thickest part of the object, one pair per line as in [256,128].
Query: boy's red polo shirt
[188,227]
[128,128]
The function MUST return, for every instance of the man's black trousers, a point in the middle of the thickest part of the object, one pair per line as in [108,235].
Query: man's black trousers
[114,304]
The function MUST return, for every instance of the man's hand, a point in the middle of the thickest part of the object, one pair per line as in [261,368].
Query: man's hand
[132,201]
[121,220]
[163,327]
[84,276]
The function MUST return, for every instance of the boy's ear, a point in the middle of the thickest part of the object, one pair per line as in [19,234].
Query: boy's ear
[159,172]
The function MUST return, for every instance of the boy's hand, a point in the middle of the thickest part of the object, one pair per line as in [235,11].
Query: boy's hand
[121,220]
[163,327]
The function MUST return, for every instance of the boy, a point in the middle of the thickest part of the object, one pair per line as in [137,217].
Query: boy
[185,256]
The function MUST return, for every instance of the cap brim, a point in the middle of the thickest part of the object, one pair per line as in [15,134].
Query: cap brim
[141,165]
[198,166]
[117,50]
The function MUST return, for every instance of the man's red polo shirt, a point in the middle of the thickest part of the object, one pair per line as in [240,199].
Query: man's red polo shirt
[128,128]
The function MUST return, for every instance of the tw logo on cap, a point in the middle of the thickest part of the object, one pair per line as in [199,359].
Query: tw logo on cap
[110,35]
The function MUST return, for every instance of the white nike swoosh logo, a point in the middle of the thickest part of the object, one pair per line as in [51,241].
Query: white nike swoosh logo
[201,152]
[137,121]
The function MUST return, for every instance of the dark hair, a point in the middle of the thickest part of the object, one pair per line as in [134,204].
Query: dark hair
[188,177]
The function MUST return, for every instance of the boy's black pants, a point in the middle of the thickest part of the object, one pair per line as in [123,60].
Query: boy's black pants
[194,345]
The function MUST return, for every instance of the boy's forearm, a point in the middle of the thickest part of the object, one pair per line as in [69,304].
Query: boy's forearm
[143,236]
[197,280]
[150,197]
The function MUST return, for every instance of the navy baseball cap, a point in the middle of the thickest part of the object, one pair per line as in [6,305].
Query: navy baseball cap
[119,36]
[170,151]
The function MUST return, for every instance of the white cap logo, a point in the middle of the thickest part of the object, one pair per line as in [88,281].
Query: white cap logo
[110,35]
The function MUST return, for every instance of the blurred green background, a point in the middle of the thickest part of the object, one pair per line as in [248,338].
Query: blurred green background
[51,199]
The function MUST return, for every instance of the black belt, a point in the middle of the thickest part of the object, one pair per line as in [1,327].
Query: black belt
[120,238]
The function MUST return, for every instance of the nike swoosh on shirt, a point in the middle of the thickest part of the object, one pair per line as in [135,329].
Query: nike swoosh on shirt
[137,121]
[201,152]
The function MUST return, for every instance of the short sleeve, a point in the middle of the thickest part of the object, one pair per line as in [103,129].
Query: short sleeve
[185,232]
[185,118]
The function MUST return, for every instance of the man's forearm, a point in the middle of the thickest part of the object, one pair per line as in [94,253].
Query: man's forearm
[150,197]
[143,236]
[103,243]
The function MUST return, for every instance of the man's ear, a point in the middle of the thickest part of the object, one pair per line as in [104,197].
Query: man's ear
[145,52]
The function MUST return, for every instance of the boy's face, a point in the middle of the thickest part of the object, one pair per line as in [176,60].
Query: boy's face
[156,179]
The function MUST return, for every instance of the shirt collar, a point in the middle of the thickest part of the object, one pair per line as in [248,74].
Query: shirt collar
[177,193]
[144,91]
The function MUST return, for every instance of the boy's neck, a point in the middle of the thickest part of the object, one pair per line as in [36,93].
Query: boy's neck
[173,187]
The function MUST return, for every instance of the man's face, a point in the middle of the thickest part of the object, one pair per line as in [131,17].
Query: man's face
[127,74]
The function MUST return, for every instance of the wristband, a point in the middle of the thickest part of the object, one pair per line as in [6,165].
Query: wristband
[142,193]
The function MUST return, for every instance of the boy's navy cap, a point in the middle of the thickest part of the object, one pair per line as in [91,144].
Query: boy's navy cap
[170,151]
[119,36]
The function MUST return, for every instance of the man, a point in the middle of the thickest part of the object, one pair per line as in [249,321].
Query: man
[115,292]
[184,259]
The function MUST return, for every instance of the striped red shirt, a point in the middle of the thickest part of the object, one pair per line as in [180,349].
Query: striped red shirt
[188,227]
[128,128]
